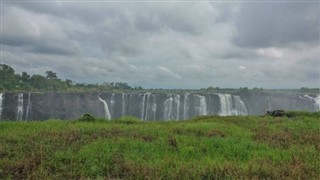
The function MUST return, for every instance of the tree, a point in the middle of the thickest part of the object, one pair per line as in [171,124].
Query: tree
[6,69]
[9,80]
[51,75]
[25,77]
[69,82]
[38,82]
[210,89]
[244,90]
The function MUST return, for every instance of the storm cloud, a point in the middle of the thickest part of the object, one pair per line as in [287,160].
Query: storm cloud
[166,45]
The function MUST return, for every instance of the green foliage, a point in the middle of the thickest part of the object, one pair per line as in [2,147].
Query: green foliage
[24,82]
[87,117]
[51,75]
[244,147]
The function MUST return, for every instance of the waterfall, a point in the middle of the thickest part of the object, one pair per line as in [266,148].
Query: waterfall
[123,104]
[231,105]
[147,107]
[168,108]
[28,107]
[1,101]
[112,102]
[106,108]
[130,102]
[143,104]
[315,100]
[177,103]
[239,106]
[154,106]
[185,106]
[20,107]
[173,101]
[317,104]
[202,108]
[225,104]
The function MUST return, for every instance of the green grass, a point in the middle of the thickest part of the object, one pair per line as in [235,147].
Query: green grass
[244,147]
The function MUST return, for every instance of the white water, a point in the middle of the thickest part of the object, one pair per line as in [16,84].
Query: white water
[148,106]
[185,106]
[20,107]
[172,107]
[231,105]
[239,106]
[143,104]
[168,108]
[106,108]
[316,101]
[130,99]
[154,106]
[225,104]
[202,108]
[123,104]
[28,107]
[177,103]
[1,100]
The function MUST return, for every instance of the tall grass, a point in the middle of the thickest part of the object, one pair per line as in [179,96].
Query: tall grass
[243,147]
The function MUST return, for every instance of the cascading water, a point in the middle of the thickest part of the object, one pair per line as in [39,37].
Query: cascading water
[1,101]
[123,111]
[129,104]
[185,106]
[106,108]
[176,99]
[225,104]
[143,103]
[20,107]
[316,101]
[112,102]
[202,108]
[168,108]
[231,105]
[150,106]
[239,106]
[172,107]
[154,106]
[28,107]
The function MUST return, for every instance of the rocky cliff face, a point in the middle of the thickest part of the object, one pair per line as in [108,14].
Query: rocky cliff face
[146,106]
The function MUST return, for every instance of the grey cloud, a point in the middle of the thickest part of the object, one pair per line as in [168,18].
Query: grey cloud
[158,44]
[35,34]
[30,45]
[263,24]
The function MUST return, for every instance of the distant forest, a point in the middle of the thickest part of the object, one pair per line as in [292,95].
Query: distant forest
[10,81]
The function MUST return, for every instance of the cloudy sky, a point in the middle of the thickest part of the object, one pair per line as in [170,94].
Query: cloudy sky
[166,44]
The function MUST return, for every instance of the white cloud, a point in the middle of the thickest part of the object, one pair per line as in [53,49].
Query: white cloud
[270,52]
[240,67]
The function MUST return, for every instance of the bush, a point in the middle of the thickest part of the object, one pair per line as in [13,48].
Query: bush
[87,117]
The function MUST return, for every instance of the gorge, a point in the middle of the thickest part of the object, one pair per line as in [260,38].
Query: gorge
[148,106]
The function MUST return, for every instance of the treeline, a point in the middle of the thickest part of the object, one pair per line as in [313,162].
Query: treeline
[10,81]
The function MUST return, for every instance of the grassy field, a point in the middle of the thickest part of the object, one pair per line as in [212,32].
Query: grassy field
[246,147]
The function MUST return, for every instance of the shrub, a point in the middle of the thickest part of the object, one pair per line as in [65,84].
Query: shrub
[87,117]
